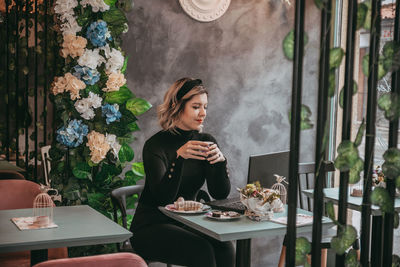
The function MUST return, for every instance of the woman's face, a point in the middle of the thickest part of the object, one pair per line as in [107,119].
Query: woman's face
[194,113]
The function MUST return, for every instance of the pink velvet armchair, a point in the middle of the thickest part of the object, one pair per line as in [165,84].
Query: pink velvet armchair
[121,259]
[19,194]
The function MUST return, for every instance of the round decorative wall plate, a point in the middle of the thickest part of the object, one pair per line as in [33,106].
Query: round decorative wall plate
[205,10]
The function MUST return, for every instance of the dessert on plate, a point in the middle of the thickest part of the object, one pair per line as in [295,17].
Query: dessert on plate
[187,205]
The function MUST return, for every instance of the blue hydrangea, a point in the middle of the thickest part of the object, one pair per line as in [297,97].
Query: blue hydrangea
[86,74]
[72,135]
[98,33]
[111,112]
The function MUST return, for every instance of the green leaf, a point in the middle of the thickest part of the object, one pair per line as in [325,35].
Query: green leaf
[332,83]
[341,94]
[305,114]
[381,69]
[354,173]
[138,169]
[81,170]
[347,156]
[110,2]
[398,182]
[360,133]
[381,198]
[330,211]
[396,220]
[138,106]
[288,44]
[126,139]
[125,153]
[303,247]
[367,21]
[123,69]
[391,166]
[131,201]
[362,10]
[351,259]
[390,104]
[336,55]
[97,201]
[344,240]
[116,20]
[133,127]
[120,96]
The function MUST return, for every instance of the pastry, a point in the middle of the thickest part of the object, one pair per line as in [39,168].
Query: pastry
[187,205]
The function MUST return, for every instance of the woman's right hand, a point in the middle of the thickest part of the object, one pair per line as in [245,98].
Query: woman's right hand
[193,150]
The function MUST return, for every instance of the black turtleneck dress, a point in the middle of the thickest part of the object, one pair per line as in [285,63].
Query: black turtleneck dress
[156,236]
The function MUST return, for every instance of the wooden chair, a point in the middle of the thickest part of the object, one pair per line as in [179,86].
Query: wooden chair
[118,199]
[107,260]
[19,194]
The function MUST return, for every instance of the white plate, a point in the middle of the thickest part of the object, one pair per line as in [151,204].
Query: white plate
[171,207]
[225,216]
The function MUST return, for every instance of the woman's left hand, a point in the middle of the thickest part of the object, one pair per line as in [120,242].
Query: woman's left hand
[214,154]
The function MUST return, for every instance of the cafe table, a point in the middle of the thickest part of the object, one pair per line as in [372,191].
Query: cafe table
[241,230]
[77,226]
[355,203]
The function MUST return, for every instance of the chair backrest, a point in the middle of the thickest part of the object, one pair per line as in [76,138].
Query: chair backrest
[307,180]
[118,199]
[263,167]
[107,260]
[46,163]
[17,194]
[9,174]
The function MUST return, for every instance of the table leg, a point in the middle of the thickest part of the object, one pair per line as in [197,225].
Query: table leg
[243,253]
[376,241]
[39,255]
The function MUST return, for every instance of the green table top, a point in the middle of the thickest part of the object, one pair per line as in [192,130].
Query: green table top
[7,166]
[354,203]
[238,229]
[77,226]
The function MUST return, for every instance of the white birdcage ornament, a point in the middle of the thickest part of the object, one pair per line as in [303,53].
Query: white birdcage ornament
[43,209]
[280,187]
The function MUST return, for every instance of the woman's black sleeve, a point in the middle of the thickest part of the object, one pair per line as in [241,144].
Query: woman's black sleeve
[162,176]
[217,176]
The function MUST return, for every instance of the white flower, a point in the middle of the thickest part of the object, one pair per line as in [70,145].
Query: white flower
[112,141]
[84,108]
[70,26]
[97,5]
[91,58]
[65,7]
[115,60]
[94,100]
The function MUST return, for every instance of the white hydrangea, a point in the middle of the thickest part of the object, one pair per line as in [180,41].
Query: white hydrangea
[85,106]
[112,141]
[65,7]
[94,100]
[91,58]
[97,5]
[115,59]
[70,26]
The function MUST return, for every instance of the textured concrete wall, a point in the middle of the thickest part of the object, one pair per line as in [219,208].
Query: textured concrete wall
[239,58]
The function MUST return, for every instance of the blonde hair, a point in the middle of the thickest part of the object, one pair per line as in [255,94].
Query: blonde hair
[170,110]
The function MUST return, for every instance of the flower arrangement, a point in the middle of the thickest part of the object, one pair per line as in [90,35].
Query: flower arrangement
[378,177]
[260,202]
[96,112]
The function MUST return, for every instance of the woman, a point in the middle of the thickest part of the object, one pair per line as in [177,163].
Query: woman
[177,161]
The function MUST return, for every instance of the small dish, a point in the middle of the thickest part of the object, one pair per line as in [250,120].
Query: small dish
[223,215]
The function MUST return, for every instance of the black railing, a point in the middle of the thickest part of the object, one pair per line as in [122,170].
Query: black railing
[28,43]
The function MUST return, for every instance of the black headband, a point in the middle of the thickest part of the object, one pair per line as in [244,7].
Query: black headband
[186,87]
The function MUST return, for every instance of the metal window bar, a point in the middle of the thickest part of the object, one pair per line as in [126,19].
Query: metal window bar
[323,87]
[26,91]
[7,130]
[393,140]
[369,145]
[17,67]
[295,129]
[347,112]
